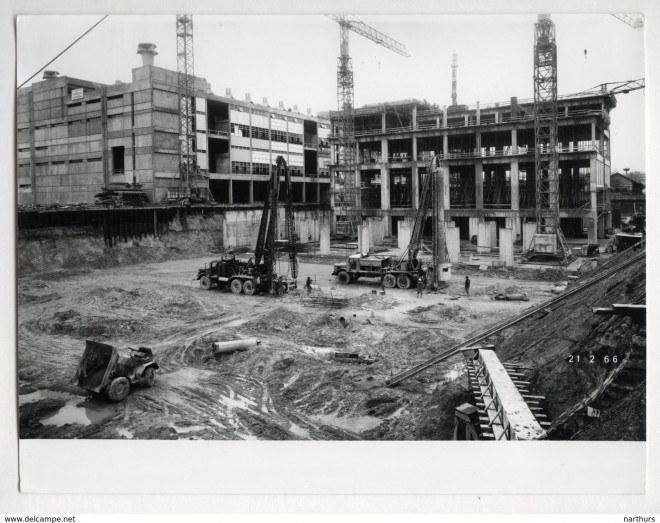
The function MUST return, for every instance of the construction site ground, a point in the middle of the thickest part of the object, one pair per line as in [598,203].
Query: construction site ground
[285,388]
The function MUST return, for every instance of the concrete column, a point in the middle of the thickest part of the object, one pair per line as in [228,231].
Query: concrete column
[414,117]
[453,235]
[593,134]
[303,231]
[252,192]
[529,230]
[514,141]
[404,233]
[383,122]
[444,116]
[473,225]
[478,114]
[479,184]
[483,238]
[492,230]
[231,192]
[444,173]
[506,246]
[515,185]
[324,243]
[445,145]
[384,178]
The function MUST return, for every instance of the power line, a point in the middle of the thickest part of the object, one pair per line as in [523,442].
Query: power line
[65,50]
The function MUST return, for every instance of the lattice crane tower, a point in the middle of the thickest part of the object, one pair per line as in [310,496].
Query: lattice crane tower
[346,191]
[549,238]
[186,92]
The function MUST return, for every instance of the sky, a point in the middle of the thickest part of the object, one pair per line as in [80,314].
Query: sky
[294,59]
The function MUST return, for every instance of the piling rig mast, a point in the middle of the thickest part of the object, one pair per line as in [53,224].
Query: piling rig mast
[346,191]
[549,239]
[265,253]
[430,203]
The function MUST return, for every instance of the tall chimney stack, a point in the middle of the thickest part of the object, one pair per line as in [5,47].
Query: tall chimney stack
[148,51]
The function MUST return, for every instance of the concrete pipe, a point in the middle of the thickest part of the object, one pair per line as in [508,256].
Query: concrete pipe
[221,347]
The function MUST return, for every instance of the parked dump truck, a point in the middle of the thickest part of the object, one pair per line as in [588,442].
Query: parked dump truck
[383,268]
[111,371]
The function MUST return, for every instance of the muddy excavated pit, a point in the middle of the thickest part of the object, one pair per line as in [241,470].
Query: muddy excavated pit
[287,387]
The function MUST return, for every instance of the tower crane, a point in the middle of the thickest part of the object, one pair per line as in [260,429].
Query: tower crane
[190,176]
[635,23]
[548,239]
[346,196]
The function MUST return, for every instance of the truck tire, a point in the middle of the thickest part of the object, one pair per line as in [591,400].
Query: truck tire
[389,280]
[119,389]
[149,377]
[249,287]
[205,283]
[404,281]
[236,286]
[343,278]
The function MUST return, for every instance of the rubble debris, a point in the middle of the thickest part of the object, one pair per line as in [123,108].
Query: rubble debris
[353,357]
[512,297]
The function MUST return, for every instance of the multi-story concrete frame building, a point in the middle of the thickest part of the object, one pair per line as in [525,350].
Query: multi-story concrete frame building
[490,153]
[76,136]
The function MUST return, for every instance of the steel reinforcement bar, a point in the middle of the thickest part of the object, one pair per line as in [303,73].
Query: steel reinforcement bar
[456,349]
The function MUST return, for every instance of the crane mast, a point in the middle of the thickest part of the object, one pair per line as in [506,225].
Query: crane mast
[346,191]
[549,239]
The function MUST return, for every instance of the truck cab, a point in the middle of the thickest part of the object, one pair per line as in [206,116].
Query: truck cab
[360,265]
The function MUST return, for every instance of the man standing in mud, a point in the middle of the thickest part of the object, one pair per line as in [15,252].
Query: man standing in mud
[308,284]
[420,287]
[467,285]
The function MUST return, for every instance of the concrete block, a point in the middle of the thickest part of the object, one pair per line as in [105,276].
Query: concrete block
[376,231]
[453,236]
[506,246]
[492,231]
[529,229]
[363,238]
[404,234]
[473,225]
[324,245]
[483,238]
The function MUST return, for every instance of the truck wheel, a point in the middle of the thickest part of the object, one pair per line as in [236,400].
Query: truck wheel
[248,287]
[343,278]
[119,389]
[149,377]
[236,286]
[205,283]
[389,281]
[404,281]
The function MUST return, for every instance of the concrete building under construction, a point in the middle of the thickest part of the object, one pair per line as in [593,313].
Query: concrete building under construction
[490,151]
[76,136]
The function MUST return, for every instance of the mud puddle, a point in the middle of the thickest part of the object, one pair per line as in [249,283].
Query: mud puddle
[87,414]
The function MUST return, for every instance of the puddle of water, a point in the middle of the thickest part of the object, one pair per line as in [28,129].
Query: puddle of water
[125,433]
[397,413]
[71,413]
[238,322]
[353,424]
[318,350]
[189,428]
[236,401]
[299,431]
[42,395]
[185,377]
[290,381]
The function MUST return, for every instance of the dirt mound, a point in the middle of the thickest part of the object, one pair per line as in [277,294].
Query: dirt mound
[439,312]
[176,305]
[373,301]
[72,323]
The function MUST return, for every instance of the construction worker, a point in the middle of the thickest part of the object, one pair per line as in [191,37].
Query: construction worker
[420,287]
[467,285]
[382,285]
[308,284]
